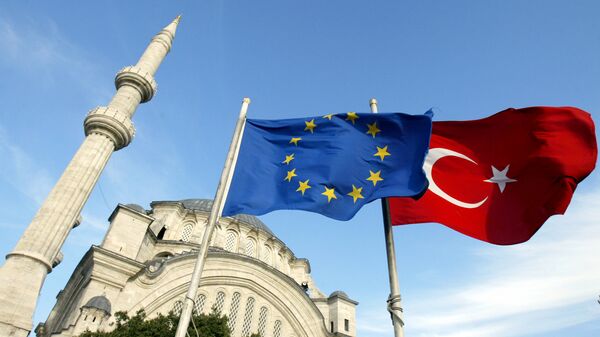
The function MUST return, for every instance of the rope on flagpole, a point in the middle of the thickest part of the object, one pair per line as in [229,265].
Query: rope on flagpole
[394,306]
[194,325]
[192,318]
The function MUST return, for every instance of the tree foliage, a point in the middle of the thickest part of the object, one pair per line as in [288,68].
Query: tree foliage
[211,325]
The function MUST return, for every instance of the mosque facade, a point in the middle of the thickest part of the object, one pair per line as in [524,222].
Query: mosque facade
[146,258]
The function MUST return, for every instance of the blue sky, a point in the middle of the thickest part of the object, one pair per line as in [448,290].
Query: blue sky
[467,59]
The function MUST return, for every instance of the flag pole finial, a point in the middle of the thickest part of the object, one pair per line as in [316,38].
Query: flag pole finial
[373,105]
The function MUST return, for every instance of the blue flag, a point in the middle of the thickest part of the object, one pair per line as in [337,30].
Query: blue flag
[332,165]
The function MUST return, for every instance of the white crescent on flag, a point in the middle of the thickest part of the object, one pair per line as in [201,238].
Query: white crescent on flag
[432,157]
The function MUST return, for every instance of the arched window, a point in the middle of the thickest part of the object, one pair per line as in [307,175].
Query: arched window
[186,233]
[262,321]
[163,255]
[161,233]
[248,316]
[277,329]
[231,241]
[177,306]
[281,260]
[199,304]
[219,302]
[250,247]
[233,312]
[266,255]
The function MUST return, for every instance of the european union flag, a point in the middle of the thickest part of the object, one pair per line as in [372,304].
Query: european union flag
[332,164]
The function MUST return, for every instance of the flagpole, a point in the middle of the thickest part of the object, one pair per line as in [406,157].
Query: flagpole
[394,301]
[215,214]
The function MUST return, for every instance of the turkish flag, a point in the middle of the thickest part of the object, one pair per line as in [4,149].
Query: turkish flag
[498,179]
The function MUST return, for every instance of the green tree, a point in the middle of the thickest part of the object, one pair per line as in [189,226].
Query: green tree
[211,325]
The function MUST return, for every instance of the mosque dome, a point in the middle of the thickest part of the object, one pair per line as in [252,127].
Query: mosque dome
[136,207]
[339,293]
[205,205]
[100,303]
[250,276]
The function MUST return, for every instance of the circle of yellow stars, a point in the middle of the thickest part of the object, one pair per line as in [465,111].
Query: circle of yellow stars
[356,193]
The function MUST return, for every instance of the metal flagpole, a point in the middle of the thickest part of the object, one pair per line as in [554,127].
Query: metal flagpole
[215,214]
[394,301]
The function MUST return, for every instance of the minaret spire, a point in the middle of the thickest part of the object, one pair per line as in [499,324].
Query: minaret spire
[158,48]
[138,80]
[107,129]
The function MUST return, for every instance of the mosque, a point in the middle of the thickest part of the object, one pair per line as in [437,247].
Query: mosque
[146,259]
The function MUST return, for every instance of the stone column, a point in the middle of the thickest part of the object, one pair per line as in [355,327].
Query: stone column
[107,129]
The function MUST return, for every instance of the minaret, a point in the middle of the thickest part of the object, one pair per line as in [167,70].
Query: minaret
[107,129]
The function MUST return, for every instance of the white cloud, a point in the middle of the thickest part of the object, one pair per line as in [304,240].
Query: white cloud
[524,289]
[40,49]
[550,283]
[152,169]
[135,178]
[95,222]
[20,170]
[373,320]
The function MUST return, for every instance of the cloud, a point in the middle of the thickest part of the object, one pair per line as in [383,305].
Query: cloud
[540,286]
[39,49]
[545,285]
[138,177]
[153,168]
[22,41]
[373,320]
[95,222]
[20,170]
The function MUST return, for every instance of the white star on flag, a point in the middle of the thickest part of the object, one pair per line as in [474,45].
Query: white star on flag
[500,178]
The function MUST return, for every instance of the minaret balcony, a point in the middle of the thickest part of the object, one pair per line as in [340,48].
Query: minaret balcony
[139,79]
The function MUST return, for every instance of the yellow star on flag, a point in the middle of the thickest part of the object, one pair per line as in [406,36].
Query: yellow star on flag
[356,193]
[303,186]
[382,152]
[329,193]
[310,125]
[288,159]
[295,140]
[352,116]
[373,130]
[375,177]
[328,116]
[290,175]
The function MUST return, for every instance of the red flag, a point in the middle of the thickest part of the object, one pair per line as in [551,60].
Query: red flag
[498,179]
